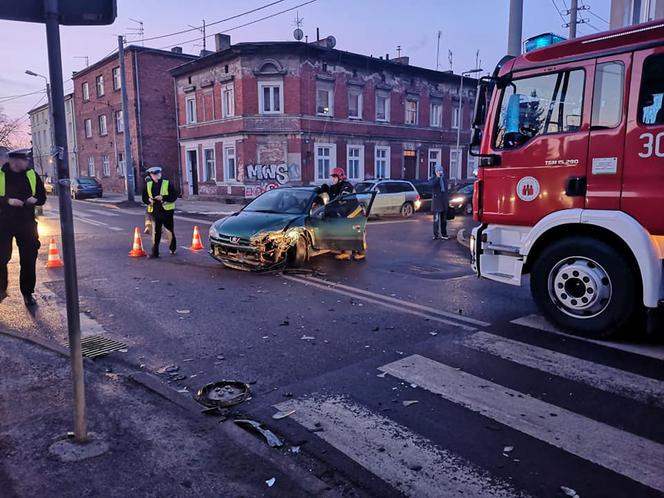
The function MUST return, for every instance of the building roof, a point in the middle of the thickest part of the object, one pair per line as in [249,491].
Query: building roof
[42,107]
[313,50]
[134,48]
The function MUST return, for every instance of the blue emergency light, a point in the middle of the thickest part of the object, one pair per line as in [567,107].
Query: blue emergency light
[541,41]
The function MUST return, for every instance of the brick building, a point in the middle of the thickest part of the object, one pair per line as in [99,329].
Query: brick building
[99,119]
[253,116]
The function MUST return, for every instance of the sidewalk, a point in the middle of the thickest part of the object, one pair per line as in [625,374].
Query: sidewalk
[209,208]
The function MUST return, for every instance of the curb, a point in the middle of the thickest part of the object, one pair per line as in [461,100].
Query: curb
[54,347]
[308,482]
[461,239]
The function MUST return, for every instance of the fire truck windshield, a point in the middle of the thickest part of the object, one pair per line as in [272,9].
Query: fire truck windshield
[545,104]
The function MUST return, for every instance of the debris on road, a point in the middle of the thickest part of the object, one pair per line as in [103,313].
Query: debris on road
[507,449]
[270,482]
[223,394]
[382,375]
[375,329]
[569,492]
[408,403]
[279,415]
[285,323]
[270,437]
[183,312]
[294,449]
[307,338]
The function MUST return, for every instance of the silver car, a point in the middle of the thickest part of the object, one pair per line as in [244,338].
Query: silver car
[393,197]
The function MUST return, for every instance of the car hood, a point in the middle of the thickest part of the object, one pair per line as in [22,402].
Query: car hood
[246,224]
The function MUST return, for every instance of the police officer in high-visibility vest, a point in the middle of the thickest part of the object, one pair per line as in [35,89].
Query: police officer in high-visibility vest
[21,190]
[160,195]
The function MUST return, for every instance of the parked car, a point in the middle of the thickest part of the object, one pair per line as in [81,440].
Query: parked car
[84,186]
[461,200]
[287,226]
[424,189]
[393,197]
[50,185]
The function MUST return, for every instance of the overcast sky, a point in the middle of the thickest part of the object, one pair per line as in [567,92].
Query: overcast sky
[365,26]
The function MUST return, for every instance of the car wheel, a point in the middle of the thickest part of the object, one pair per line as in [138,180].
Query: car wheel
[298,254]
[99,196]
[407,210]
[585,286]
[469,208]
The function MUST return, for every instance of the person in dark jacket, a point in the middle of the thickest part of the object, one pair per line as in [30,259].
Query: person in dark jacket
[21,189]
[439,203]
[159,194]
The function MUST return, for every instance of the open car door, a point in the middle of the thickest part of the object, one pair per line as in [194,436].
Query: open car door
[341,224]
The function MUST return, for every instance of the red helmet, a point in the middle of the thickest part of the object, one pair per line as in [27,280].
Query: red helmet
[339,172]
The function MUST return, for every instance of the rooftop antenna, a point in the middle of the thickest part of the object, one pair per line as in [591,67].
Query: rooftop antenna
[202,30]
[477,59]
[87,59]
[137,30]
[298,34]
[398,50]
[449,58]
[438,51]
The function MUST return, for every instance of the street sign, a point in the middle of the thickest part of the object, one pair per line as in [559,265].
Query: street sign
[70,12]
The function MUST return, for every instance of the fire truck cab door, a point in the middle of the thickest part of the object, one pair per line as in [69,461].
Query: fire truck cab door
[540,132]
[643,176]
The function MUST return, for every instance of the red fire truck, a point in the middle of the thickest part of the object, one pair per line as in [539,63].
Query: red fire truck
[570,188]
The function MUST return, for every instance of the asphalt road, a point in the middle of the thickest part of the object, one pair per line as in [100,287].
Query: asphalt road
[406,373]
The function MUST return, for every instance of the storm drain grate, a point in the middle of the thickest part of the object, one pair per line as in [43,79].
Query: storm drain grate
[97,345]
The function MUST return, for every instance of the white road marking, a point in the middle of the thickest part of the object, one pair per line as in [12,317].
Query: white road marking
[621,452]
[613,380]
[402,309]
[390,450]
[400,302]
[538,322]
[116,229]
[193,220]
[89,221]
[101,211]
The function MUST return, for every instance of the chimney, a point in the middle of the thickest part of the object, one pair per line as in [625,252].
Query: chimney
[402,60]
[176,50]
[222,42]
[387,57]
[205,53]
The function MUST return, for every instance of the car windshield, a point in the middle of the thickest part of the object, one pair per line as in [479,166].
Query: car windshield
[282,201]
[363,187]
[468,189]
[87,181]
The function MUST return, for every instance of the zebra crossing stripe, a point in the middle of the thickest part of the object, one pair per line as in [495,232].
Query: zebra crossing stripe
[398,456]
[613,380]
[626,454]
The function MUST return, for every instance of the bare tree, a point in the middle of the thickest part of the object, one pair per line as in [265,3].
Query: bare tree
[8,130]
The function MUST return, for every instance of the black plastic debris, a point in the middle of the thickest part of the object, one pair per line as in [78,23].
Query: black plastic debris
[270,437]
[223,394]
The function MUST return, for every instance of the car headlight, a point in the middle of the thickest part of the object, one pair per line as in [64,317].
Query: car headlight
[457,200]
[214,233]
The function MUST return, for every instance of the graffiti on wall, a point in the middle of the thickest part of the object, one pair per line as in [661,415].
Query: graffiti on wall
[263,177]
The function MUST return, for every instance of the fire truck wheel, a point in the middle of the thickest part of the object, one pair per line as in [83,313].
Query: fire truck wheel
[585,286]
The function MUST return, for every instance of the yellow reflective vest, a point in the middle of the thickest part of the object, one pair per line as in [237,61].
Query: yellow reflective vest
[32,179]
[168,206]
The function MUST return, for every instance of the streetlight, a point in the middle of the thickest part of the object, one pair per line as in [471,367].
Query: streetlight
[50,114]
[459,116]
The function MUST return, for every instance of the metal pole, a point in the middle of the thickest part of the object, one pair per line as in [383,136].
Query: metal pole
[458,158]
[573,11]
[66,218]
[129,176]
[515,28]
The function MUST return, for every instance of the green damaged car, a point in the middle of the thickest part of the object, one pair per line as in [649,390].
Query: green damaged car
[288,226]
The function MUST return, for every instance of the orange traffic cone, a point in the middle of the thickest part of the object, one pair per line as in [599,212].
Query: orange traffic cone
[196,244]
[137,250]
[54,260]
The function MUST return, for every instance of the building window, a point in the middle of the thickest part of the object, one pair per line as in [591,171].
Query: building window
[355,103]
[100,85]
[455,164]
[121,164]
[105,166]
[436,115]
[117,81]
[434,160]
[190,106]
[324,100]
[88,128]
[227,101]
[651,101]
[210,171]
[230,170]
[119,122]
[271,97]
[325,158]
[355,162]
[455,118]
[383,106]
[103,129]
[91,166]
[382,162]
[85,88]
[411,111]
